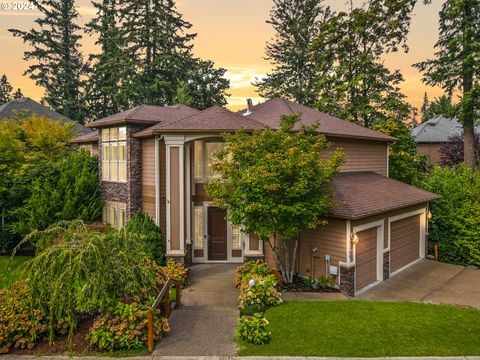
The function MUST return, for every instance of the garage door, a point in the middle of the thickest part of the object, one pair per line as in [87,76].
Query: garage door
[366,258]
[404,242]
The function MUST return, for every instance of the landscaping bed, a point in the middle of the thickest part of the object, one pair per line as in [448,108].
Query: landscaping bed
[368,329]
[299,284]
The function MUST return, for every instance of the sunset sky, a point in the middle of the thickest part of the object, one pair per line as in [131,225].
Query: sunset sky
[233,34]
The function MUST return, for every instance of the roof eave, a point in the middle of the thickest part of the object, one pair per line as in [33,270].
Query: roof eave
[105,123]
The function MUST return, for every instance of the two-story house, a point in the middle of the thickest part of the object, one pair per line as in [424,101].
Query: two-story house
[157,159]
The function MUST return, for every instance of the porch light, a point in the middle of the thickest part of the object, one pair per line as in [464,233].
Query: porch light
[429,215]
[354,238]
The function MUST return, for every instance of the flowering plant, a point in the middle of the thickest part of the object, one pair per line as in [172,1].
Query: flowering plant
[259,293]
[254,329]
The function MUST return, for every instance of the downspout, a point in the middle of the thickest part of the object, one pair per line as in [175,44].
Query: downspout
[157,179]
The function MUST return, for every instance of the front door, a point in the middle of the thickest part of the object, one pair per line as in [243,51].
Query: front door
[217,233]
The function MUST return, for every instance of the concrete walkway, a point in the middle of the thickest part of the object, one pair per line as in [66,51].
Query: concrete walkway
[205,323]
[432,282]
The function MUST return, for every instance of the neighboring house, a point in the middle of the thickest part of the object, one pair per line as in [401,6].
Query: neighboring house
[432,134]
[157,159]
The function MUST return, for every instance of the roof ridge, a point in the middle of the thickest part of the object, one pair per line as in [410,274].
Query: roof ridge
[134,111]
[187,117]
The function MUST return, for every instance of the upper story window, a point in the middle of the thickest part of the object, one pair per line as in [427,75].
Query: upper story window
[204,152]
[114,154]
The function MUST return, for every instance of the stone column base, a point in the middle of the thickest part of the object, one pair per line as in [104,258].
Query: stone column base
[386,266]
[251,257]
[347,280]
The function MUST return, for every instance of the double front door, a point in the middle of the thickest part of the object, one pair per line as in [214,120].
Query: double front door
[217,234]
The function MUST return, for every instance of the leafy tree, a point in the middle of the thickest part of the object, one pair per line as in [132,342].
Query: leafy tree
[275,185]
[149,233]
[405,164]
[451,153]
[57,64]
[5,90]
[439,106]
[454,225]
[353,81]
[294,74]
[455,66]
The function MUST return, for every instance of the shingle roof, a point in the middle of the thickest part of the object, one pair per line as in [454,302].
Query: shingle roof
[361,194]
[145,114]
[270,111]
[10,108]
[438,130]
[215,119]
[91,137]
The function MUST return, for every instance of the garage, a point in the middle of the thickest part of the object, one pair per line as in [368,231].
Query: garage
[366,258]
[404,242]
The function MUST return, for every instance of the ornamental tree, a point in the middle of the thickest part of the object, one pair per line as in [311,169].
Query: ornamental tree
[451,152]
[275,184]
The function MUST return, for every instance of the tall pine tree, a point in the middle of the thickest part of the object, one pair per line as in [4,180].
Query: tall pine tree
[456,65]
[294,74]
[55,59]
[17,95]
[424,109]
[5,90]
[353,82]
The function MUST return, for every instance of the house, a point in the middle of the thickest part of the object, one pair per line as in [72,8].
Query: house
[157,159]
[432,134]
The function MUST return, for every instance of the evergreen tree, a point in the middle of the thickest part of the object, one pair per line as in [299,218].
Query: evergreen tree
[108,85]
[353,81]
[424,109]
[440,106]
[5,90]
[57,63]
[294,74]
[18,94]
[455,66]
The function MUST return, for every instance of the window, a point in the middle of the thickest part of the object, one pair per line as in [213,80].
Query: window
[114,214]
[204,156]
[236,237]
[114,154]
[198,227]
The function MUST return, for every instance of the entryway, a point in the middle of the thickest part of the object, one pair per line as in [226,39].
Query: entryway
[217,234]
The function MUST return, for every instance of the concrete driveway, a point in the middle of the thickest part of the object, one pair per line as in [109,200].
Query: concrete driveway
[432,282]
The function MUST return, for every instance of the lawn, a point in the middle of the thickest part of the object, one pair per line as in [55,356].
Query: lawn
[6,276]
[369,329]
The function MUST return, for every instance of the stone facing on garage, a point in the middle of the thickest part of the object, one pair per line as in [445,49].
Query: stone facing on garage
[347,280]
[386,266]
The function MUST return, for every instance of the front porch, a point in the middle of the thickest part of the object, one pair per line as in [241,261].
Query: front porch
[196,230]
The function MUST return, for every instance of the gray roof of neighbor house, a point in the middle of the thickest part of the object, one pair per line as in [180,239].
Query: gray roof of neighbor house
[269,112]
[361,194]
[10,108]
[145,114]
[438,130]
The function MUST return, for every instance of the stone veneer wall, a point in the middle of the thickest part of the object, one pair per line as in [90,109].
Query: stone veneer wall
[347,280]
[130,192]
[386,266]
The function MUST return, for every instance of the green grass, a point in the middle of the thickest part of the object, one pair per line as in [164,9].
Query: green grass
[369,329]
[6,276]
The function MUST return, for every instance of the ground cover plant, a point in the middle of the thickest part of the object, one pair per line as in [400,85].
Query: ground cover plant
[368,329]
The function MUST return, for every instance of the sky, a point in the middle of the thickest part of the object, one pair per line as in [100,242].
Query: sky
[233,34]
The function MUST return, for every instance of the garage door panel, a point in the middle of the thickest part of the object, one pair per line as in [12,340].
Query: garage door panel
[404,242]
[366,258]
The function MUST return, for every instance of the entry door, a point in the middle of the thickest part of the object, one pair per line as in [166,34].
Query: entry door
[217,234]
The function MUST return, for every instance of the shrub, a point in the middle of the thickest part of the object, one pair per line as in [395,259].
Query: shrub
[149,233]
[20,325]
[254,329]
[125,326]
[451,152]
[259,294]
[250,268]
[175,270]
[455,224]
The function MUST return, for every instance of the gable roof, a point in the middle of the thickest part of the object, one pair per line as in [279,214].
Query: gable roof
[10,108]
[438,129]
[215,119]
[269,112]
[361,194]
[145,114]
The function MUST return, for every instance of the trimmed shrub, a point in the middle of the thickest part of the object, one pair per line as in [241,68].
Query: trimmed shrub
[254,329]
[124,326]
[175,270]
[258,294]
[149,233]
[455,224]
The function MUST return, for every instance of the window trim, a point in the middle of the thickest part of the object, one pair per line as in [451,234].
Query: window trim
[106,148]
[205,177]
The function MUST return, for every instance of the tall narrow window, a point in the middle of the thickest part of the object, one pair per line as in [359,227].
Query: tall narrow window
[198,160]
[198,227]
[211,149]
[114,154]
[114,214]
[236,237]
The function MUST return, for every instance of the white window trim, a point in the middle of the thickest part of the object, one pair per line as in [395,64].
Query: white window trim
[109,161]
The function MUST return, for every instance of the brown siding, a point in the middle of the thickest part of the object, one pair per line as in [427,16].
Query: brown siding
[360,155]
[328,239]
[404,242]
[432,150]
[174,199]
[148,177]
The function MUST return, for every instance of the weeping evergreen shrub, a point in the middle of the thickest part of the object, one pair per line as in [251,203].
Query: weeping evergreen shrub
[149,233]
[81,272]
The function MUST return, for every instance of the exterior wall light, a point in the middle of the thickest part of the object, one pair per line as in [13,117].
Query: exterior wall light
[354,238]
[429,215]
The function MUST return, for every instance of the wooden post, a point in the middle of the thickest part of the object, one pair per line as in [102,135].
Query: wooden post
[150,330]
[435,249]
[178,297]
[168,308]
